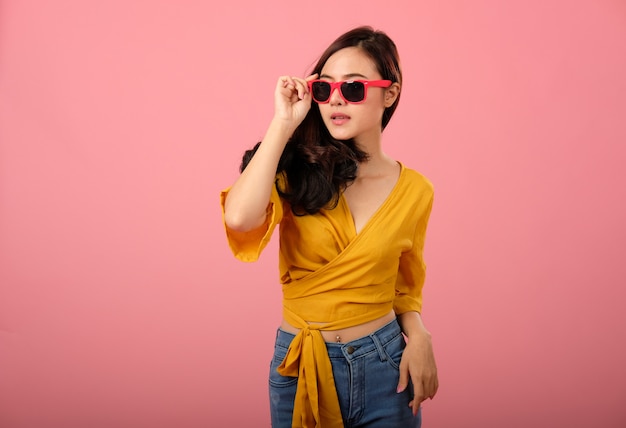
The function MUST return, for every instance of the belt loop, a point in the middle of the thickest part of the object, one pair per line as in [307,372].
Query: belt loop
[379,347]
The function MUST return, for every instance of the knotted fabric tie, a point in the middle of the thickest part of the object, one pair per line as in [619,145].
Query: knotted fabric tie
[316,404]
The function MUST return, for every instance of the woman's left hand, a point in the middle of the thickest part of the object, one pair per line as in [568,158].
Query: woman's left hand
[418,366]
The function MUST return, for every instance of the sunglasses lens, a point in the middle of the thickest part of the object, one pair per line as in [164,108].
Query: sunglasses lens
[353,91]
[320,91]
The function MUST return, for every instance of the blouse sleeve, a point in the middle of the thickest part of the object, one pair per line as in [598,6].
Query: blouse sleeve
[412,269]
[247,246]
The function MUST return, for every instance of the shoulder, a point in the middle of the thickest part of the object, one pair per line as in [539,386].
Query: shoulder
[416,180]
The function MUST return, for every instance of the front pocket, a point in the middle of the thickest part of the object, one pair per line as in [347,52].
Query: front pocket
[275,378]
[394,349]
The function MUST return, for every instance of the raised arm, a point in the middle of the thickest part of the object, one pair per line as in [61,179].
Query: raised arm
[246,203]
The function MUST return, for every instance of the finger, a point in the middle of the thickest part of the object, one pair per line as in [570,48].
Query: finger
[403,382]
[429,390]
[285,87]
[430,384]
[310,78]
[302,87]
[291,88]
[288,83]
[434,389]
[283,81]
[418,397]
[299,86]
[415,407]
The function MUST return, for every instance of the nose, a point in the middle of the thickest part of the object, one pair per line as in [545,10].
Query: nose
[335,97]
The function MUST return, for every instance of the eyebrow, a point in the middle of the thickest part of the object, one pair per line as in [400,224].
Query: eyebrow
[345,76]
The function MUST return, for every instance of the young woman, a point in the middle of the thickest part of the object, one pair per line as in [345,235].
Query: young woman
[352,228]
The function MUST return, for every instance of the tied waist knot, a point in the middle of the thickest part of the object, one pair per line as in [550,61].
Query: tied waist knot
[316,403]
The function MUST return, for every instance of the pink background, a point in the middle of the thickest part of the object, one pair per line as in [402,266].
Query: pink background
[120,303]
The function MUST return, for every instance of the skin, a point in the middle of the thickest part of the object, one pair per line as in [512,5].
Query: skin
[246,204]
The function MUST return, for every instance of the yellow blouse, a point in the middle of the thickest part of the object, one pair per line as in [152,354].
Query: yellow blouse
[332,275]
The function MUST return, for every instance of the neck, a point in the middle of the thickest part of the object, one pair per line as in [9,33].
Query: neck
[379,163]
[377,159]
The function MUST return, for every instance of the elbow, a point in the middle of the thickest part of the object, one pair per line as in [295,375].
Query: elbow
[239,222]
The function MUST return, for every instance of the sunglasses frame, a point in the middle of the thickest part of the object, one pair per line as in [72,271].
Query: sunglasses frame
[337,85]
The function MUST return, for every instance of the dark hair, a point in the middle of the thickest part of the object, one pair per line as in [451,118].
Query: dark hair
[317,166]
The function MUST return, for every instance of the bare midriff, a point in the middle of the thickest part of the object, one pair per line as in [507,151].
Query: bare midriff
[346,334]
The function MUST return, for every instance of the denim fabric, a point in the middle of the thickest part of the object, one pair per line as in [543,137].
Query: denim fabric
[366,374]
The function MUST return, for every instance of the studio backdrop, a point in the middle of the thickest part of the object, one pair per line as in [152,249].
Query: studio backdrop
[121,304]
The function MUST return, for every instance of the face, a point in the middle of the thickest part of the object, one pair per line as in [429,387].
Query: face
[347,120]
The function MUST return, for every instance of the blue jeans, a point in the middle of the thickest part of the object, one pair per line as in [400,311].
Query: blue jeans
[366,374]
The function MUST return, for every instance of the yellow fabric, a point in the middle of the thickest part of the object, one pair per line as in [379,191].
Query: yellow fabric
[332,275]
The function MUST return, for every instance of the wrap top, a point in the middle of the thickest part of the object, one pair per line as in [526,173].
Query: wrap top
[334,276]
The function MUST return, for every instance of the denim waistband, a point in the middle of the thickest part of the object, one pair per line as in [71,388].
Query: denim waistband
[355,348]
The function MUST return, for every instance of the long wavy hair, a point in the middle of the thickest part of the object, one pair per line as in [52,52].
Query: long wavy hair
[317,166]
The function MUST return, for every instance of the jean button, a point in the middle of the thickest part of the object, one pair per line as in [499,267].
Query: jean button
[351,349]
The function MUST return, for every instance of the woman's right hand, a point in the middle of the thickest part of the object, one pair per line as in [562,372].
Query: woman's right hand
[292,99]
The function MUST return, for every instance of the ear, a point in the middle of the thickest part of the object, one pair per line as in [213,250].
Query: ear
[391,94]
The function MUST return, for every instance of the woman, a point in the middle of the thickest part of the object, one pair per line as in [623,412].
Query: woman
[352,228]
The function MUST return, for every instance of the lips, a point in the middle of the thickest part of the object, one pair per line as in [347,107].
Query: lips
[339,118]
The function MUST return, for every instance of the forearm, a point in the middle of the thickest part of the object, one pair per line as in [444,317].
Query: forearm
[247,200]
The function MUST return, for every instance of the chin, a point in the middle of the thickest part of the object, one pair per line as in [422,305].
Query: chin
[341,136]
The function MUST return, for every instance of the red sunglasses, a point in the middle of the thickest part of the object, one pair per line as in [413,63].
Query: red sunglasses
[352,91]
